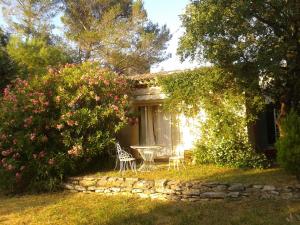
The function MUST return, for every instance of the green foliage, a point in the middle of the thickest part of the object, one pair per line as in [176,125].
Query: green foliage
[30,18]
[34,56]
[223,139]
[116,33]
[232,152]
[34,47]
[7,66]
[259,41]
[288,145]
[52,125]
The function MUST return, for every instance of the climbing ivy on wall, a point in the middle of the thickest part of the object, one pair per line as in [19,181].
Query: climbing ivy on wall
[224,138]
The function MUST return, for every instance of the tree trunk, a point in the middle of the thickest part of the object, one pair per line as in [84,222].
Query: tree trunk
[282,114]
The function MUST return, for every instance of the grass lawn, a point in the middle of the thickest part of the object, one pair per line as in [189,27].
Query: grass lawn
[275,176]
[73,209]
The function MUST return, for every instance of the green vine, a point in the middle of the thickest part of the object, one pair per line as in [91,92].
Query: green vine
[224,137]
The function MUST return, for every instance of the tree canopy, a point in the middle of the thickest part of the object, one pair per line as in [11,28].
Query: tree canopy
[7,66]
[35,56]
[32,45]
[30,18]
[258,40]
[118,34]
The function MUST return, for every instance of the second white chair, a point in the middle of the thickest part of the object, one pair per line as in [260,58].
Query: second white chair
[177,159]
[125,159]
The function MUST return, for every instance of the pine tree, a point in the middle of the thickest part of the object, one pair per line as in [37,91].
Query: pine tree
[117,34]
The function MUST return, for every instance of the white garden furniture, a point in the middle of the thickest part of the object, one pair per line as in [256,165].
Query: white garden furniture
[148,154]
[177,159]
[126,159]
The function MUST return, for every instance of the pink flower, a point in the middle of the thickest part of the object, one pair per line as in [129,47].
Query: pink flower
[51,71]
[136,120]
[42,154]
[116,98]
[6,91]
[3,137]
[116,108]
[51,161]
[97,98]
[10,167]
[7,152]
[32,136]
[106,82]
[28,121]
[71,122]
[16,156]
[15,141]
[57,99]
[70,152]
[59,126]
[34,101]
[71,104]
[18,176]
[75,150]
[23,168]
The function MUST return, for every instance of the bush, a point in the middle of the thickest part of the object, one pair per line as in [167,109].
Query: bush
[288,145]
[52,125]
[229,152]
[224,139]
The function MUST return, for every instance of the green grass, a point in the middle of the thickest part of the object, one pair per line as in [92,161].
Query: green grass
[275,176]
[73,209]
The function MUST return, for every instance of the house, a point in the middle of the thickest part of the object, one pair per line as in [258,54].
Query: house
[173,131]
[155,125]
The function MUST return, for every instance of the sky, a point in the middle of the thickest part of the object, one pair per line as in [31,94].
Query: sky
[168,12]
[163,12]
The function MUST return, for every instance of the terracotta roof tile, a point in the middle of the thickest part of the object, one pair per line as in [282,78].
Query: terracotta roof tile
[149,76]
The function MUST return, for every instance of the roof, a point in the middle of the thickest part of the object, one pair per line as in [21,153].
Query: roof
[149,76]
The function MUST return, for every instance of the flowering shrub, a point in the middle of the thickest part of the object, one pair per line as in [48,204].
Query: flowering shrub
[50,124]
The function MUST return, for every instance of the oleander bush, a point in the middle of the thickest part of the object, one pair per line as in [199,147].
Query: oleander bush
[288,145]
[51,125]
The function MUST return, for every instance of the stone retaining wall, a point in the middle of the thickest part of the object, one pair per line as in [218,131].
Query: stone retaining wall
[179,191]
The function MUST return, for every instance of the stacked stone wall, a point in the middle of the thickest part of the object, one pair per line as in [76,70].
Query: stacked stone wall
[164,189]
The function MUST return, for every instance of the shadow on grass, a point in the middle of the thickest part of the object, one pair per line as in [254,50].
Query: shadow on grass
[65,208]
[248,212]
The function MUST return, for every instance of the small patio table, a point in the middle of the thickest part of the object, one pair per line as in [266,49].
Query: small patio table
[148,154]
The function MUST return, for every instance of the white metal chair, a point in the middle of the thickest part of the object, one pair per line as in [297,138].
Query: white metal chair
[177,159]
[125,159]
